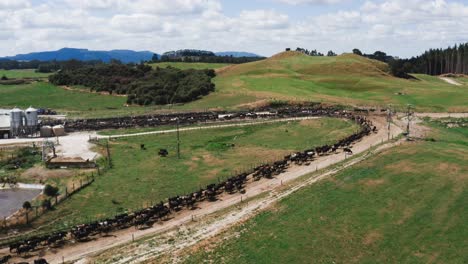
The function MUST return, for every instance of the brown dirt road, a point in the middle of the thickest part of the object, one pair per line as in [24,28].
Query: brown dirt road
[79,251]
[119,248]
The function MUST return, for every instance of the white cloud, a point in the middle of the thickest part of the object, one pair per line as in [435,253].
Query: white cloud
[301,2]
[13,4]
[400,27]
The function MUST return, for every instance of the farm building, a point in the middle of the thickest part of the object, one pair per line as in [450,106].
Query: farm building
[16,122]
[4,124]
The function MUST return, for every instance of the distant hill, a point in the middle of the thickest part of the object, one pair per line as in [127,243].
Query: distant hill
[236,54]
[126,56]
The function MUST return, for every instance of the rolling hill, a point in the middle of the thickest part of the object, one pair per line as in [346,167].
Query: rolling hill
[345,79]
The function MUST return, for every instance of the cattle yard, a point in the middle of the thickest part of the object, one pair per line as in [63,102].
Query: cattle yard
[155,168]
[224,160]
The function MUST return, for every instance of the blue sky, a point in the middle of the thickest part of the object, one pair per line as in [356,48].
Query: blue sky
[398,27]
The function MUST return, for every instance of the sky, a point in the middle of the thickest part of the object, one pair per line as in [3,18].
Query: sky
[401,28]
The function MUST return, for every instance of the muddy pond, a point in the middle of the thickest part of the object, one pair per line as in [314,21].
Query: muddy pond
[12,199]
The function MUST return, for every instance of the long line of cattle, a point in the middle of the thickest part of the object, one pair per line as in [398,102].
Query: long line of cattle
[74,125]
[146,217]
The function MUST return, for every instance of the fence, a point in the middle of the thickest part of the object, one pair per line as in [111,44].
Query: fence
[22,217]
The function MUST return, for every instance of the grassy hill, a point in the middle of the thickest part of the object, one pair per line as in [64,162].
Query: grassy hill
[405,205]
[344,79]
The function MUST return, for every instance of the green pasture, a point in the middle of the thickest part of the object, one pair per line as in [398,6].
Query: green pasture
[140,177]
[17,74]
[345,79]
[405,205]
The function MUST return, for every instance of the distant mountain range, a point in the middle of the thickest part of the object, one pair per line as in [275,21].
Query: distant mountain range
[64,54]
[125,56]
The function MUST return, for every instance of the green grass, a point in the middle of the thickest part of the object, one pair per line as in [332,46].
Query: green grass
[141,176]
[186,65]
[345,79]
[15,74]
[43,94]
[405,205]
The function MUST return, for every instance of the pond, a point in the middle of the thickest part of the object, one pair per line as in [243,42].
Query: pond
[12,199]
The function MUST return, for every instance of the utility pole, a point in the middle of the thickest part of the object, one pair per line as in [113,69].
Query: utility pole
[178,140]
[389,119]
[409,116]
[108,154]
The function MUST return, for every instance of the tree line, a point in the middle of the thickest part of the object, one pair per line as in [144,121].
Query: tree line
[438,61]
[314,52]
[432,62]
[204,56]
[141,83]
[42,66]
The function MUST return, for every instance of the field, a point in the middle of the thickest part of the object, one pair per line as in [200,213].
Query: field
[405,205]
[186,65]
[43,94]
[22,74]
[139,177]
[344,79]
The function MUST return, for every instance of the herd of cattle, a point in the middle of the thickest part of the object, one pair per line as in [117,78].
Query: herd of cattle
[75,125]
[146,217]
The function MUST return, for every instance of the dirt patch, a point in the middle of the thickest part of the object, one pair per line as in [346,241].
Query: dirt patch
[41,174]
[403,166]
[372,182]
[445,168]
[372,237]
[407,213]
[256,104]
[211,160]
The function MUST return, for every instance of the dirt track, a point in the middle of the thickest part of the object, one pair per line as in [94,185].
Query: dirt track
[119,244]
[84,250]
[450,81]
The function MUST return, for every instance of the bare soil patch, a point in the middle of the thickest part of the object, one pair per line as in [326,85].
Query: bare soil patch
[372,182]
[41,174]
[372,237]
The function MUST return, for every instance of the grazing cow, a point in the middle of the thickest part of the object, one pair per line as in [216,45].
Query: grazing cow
[5,259]
[40,261]
[348,151]
[163,152]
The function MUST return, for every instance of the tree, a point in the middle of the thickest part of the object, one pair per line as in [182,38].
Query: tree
[27,206]
[330,53]
[357,52]
[4,78]
[51,191]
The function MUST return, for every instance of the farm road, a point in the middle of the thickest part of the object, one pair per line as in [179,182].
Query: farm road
[208,228]
[119,245]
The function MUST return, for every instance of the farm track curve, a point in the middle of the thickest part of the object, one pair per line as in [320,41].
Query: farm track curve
[203,231]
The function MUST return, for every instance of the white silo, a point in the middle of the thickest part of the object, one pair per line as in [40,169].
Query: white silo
[31,120]
[16,121]
[31,117]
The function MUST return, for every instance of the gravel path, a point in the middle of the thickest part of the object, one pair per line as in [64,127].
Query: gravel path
[450,80]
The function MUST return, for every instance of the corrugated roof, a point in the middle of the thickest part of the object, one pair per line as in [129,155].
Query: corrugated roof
[4,119]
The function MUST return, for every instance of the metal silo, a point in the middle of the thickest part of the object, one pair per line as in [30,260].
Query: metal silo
[16,121]
[31,117]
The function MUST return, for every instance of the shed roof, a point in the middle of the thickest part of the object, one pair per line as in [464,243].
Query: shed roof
[4,119]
